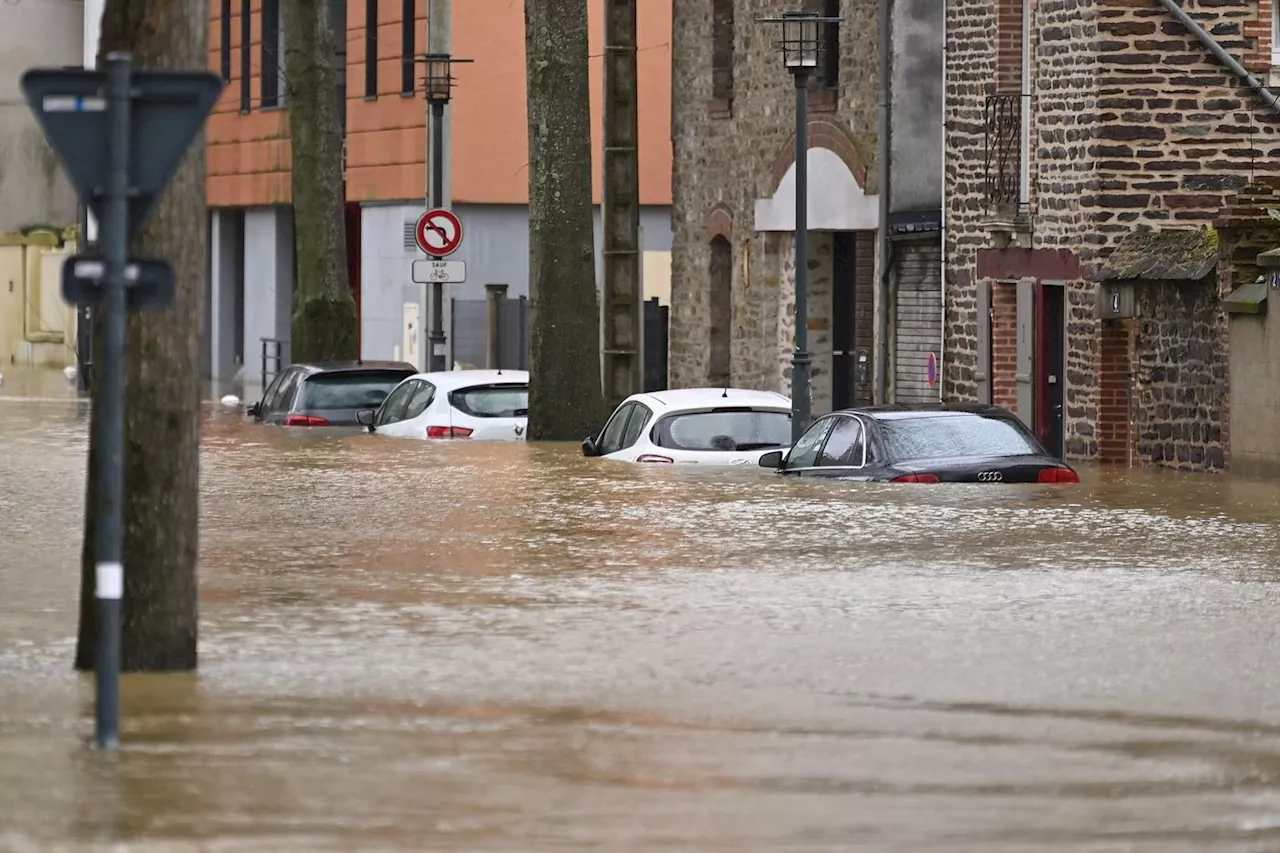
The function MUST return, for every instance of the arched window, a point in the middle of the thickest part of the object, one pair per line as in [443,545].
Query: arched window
[721,314]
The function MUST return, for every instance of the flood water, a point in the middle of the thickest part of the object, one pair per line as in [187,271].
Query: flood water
[469,647]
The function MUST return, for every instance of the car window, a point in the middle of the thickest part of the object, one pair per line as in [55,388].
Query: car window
[844,445]
[805,452]
[354,389]
[273,390]
[640,415]
[612,434]
[955,435]
[422,397]
[393,407]
[724,429]
[492,401]
[288,391]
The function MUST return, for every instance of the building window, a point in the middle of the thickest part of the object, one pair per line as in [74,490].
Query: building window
[371,48]
[1275,33]
[722,50]
[246,75]
[830,77]
[408,15]
[224,26]
[272,53]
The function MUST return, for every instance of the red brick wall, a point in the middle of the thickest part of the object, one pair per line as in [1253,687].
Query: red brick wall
[1113,392]
[1009,46]
[1004,345]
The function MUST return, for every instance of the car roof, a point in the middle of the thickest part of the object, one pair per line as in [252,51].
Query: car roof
[701,398]
[932,410]
[314,367]
[463,378]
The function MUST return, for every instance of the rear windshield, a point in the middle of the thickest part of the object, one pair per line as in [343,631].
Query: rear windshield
[350,390]
[725,429]
[492,401]
[955,435]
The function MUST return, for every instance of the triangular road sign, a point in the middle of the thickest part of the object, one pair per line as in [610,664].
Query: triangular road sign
[167,111]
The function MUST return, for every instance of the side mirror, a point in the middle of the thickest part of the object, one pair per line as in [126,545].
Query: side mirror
[253,410]
[772,459]
[365,418]
[589,448]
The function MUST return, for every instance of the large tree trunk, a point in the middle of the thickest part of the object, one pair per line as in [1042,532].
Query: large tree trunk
[324,319]
[565,400]
[162,387]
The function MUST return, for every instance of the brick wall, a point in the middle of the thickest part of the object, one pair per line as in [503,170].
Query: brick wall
[1004,344]
[1113,392]
[1009,45]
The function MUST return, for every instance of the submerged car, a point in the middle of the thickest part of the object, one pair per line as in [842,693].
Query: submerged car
[707,426]
[490,405]
[327,393]
[934,444]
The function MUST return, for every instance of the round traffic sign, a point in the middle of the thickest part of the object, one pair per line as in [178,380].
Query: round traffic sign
[439,233]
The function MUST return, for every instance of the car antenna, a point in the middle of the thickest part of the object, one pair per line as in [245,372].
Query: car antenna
[726,392]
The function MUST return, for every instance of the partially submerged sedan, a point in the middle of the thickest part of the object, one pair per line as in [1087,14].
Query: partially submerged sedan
[327,393]
[935,444]
[707,426]
[480,405]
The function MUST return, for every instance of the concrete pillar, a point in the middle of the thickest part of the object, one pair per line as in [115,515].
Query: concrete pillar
[268,285]
[224,278]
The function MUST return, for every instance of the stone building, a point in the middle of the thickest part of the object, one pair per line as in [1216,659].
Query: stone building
[1106,182]
[733,220]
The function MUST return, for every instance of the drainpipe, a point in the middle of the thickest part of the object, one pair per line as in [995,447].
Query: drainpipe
[881,337]
[942,282]
[1024,177]
[1221,55]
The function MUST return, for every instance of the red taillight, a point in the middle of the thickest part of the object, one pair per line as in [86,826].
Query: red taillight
[653,457]
[305,420]
[1057,475]
[448,432]
[917,478]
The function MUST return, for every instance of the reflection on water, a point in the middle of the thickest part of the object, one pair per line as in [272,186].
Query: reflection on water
[412,646]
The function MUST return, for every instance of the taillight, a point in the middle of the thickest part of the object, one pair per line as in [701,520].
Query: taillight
[653,457]
[917,478]
[448,432]
[1057,475]
[305,420]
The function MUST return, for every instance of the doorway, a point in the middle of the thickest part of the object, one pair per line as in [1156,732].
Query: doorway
[1050,366]
[852,258]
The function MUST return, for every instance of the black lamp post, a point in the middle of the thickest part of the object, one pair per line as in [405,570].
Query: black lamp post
[438,85]
[801,47]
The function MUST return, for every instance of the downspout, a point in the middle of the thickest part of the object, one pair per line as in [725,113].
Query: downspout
[1221,55]
[1024,177]
[881,337]
[942,219]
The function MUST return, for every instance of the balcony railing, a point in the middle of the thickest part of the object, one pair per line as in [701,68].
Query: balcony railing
[1002,118]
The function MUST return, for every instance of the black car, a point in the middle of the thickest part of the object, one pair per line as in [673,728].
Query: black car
[934,444]
[328,394]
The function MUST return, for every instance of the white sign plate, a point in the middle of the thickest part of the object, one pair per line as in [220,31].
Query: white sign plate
[447,272]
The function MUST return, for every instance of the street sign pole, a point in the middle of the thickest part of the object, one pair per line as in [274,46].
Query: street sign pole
[109,571]
[435,341]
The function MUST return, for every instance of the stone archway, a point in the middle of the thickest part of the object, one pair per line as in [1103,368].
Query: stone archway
[838,180]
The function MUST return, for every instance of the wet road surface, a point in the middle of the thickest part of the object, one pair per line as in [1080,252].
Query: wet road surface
[412,646]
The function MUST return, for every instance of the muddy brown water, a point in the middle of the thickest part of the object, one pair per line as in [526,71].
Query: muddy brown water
[412,646]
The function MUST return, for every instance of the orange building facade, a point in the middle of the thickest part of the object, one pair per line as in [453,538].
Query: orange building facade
[486,167]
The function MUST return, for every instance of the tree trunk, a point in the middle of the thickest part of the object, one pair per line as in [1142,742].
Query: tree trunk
[324,319]
[565,400]
[162,385]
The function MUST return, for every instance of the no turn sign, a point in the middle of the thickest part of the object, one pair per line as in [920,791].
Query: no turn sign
[439,233]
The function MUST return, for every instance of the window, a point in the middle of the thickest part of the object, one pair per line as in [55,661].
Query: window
[845,446]
[1275,33]
[805,453]
[393,407]
[350,390]
[422,397]
[955,435]
[272,53]
[371,48]
[615,430]
[724,429]
[830,76]
[408,18]
[722,34]
[246,36]
[224,27]
[288,392]
[492,401]
[273,392]
[640,415]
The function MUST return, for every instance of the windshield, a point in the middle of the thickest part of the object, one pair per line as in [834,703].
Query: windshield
[955,435]
[725,429]
[492,401]
[350,390]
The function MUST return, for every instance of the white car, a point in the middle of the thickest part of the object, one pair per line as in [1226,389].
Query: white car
[486,405]
[707,426]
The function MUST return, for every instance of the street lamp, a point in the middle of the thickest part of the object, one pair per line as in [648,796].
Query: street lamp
[801,47]
[438,86]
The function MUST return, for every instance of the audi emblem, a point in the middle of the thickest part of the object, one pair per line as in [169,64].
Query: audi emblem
[990,477]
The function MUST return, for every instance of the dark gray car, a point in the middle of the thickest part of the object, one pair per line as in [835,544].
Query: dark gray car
[328,393]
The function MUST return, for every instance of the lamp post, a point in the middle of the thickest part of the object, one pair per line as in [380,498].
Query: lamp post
[438,84]
[801,47]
